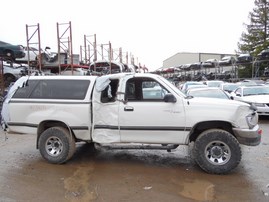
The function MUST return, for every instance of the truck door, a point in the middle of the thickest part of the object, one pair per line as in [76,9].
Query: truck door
[146,117]
[105,111]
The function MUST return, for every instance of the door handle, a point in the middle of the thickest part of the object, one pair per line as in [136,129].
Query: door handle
[128,109]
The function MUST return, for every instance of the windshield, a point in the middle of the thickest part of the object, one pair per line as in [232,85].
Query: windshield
[256,91]
[214,83]
[230,87]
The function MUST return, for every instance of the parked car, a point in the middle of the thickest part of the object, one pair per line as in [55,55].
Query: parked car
[75,71]
[263,55]
[187,84]
[227,60]
[229,87]
[244,58]
[105,67]
[255,95]
[210,92]
[214,83]
[197,86]
[247,82]
[10,51]
[154,93]
[12,72]
[210,63]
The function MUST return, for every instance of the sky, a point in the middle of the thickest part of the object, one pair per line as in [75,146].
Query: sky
[151,31]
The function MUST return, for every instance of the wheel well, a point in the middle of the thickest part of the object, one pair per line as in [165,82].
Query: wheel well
[202,126]
[8,51]
[9,75]
[48,124]
[9,78]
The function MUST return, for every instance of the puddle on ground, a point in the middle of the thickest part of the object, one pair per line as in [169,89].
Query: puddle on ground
[197,190]
[78,187]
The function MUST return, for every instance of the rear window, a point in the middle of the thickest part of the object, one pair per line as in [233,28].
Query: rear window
[54,89]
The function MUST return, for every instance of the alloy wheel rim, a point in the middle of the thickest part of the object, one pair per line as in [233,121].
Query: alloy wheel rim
[54,146]
[217,153]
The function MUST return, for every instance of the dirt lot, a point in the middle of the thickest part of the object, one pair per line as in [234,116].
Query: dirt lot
[105,175]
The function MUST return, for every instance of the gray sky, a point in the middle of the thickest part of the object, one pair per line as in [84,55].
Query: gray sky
[151,30]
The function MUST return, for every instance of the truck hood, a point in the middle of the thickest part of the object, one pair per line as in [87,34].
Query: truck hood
[215,101]
[200,109]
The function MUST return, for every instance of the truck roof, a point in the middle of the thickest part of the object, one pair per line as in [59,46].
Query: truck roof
[61,77]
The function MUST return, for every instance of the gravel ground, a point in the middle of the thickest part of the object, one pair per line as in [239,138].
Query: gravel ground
[106,175]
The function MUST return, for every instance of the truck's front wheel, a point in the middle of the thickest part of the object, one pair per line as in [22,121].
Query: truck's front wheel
[56,145]
[217,151]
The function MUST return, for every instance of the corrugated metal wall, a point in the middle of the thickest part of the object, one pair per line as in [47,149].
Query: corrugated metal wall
[190,58]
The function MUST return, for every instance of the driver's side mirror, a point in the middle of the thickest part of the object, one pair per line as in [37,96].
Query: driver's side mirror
[170,98]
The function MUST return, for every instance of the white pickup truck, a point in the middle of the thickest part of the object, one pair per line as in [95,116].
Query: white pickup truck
[128,111]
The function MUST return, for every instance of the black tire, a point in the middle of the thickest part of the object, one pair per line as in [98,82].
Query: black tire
[9,55]
[8,79]
[56,145]
[217,151]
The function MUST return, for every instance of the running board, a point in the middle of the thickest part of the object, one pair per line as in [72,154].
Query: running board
[167,147]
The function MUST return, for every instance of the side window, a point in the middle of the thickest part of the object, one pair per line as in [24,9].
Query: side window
[25,91]
[61,89]
[153,90]
[110,92]
[144,89]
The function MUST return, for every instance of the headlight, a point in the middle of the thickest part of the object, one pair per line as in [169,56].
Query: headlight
[252,119]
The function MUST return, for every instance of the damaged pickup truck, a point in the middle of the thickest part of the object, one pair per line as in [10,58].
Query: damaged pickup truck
[128,111]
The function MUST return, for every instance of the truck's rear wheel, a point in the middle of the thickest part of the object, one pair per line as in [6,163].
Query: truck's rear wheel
[217,151]
[56,145]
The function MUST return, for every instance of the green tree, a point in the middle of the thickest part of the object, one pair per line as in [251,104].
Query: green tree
[256,37]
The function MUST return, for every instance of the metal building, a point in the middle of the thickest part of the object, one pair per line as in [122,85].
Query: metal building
[182,58]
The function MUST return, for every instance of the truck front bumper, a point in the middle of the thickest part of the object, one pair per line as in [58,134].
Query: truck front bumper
[250,137]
